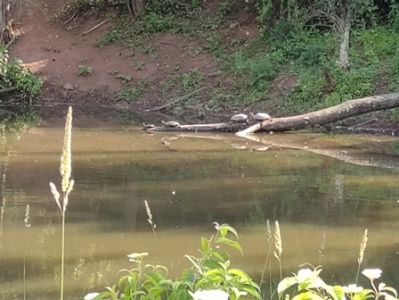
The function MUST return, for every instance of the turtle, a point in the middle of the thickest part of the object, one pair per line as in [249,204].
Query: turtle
[239,118]
[148,126]
[261,116]
[172,124]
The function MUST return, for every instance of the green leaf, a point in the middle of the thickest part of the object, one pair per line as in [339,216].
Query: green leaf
[310,295]
[204,244]
[225,228]
[211,264]
[220,255]
[363,295]
[241,274]
[252,291]
[231,243]
[331,291]
[285,284]
[339,291]
[183,295]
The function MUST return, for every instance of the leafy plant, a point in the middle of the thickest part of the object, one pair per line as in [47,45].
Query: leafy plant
[14,75]
[210,271]
[307,284]
[109,37]
[85,70]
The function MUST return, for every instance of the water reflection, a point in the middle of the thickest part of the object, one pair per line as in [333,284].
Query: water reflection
[322,189]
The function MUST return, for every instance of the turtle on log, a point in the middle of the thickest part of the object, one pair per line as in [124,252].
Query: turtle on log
[172,124]
[239,118]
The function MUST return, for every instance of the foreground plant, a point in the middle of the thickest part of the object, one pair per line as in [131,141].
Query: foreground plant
[66,188]
[209,277]
[307,284]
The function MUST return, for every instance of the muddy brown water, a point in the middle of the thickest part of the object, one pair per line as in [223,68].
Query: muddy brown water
[319,188]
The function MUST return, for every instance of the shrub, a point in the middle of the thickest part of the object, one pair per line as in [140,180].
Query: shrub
[211,271]
[13,74]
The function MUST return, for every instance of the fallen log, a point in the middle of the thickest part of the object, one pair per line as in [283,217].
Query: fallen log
[321,117]
[219,127]
[328,115]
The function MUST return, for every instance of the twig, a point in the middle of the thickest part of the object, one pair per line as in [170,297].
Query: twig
[364,123]
[71,18]
[95,27]
[176,100]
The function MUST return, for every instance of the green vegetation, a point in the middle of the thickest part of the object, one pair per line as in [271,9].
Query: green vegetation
[211,270]
[130,93]
[294,40]
[18,87]
[108,38]
[212,277]
[14,76]
[85,70]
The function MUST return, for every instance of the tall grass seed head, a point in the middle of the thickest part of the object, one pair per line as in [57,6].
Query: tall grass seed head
[66,157]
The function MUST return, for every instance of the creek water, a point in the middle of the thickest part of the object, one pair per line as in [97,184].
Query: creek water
[324,191]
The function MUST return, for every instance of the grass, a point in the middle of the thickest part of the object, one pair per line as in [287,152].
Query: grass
[66,187]
[109,37]
[183,82]
[312,55]
[130,93]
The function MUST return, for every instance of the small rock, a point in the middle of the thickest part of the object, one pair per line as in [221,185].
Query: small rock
[68,86]
[122,106]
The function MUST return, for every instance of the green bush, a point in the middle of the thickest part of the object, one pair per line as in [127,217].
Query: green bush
[13,74]
[210,271]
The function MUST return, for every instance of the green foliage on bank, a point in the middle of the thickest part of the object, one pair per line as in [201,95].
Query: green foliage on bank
[311,57]
[14,75]
[292,41]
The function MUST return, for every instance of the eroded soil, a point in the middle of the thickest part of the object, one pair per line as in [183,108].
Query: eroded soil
[55,51]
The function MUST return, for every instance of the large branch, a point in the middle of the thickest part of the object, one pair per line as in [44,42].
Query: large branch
[219,127]
[329,115]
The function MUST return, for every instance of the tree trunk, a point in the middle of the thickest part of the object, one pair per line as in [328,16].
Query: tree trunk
[136,7]
[344,46]
[329,115]
[2,18]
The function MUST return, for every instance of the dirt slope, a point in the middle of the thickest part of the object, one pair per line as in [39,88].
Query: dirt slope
[55,53]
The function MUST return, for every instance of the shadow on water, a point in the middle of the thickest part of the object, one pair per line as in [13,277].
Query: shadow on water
[315,185]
